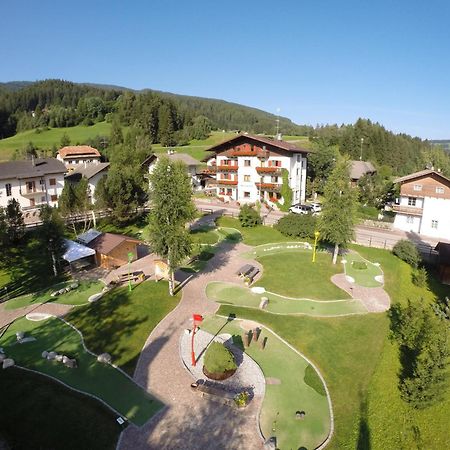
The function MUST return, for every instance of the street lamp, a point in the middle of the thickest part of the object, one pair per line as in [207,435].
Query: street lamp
[360,155]
[130,258]
[316,236]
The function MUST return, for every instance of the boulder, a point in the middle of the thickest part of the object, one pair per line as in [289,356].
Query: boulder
[20,335]
[8,362]
[263,303]
[45,354]
[70,363]
[2,357]
[51,355]
[64,359]
[104,358]
[1,350]
[74,286]
[54,294]
[59,358]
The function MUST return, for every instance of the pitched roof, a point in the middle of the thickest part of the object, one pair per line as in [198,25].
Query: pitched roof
[89,171]
[31,168]
[283,145]
[360,168]
[183,157]
[78,150]
[107,242]
[420,174]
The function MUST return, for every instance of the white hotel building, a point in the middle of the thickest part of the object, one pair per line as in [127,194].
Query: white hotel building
[249,168]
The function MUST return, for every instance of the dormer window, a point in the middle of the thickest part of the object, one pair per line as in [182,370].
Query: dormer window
[417,187]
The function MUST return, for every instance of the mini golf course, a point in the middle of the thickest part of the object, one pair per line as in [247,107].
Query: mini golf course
[362,272]
[292,385]
[102,381]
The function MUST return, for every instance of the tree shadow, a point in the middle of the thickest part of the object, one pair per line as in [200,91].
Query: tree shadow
[363,442]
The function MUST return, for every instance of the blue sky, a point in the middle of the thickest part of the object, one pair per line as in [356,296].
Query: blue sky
[318,61]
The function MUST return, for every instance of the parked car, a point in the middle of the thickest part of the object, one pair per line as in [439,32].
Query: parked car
[301,209]
[317,207]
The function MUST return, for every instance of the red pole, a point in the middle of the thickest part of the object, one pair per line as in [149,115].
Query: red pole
[192,346]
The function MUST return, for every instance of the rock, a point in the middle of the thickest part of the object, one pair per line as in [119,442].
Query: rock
[74,286]
[27,339]
[264,302]
[45,354]
[1,350]
[8,362]
[65,359]
[51,355]
[70,363]
[54,294]
[59,358]
[95,297]
[20,335]
[2,357]
[104,358]
[61,291]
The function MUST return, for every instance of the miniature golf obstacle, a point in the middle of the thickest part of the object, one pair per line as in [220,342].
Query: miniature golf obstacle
[246,339]
[263,303]
[20,335]
[256,332]
[44,354]
[262,343]
[8,362]
[104,358]
[51,355]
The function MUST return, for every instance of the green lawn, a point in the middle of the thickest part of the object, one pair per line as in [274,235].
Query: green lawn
[292,274]
[101,380]
[46,139]
[298,390]
[121,321]
[231,294]
[254,236]
[207,236]
[42,414]
[78,296]
[137,228]
[362,270]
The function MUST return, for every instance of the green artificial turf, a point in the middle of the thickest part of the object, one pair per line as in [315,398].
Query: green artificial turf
[231,294]
[100,380]
[39,413]
[287,394]
[120,322]
[77,296]
[204,236]
[48,138]
[292,274]
[362,271]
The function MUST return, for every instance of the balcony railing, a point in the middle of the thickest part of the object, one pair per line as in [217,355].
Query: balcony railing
[271,187]
[411,210]
[262,154]
[227,168]
[227,182]
[269,170]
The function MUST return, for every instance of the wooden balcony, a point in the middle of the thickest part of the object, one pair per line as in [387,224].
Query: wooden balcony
[271,187]
[227,182]
[227,168]
[410,210]
[269,170]
[262,154]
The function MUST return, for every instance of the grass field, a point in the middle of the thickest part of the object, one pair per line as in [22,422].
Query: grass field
[121,321]
[46,139]
[101,380]
[362,271]
[231,294]
[291,394]
[42,414]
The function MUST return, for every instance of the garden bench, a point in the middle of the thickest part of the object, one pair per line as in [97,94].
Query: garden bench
[133,276]
[252,274]
[244,270]
[214,392]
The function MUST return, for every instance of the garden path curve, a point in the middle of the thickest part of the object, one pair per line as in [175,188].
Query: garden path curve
[375,299]
[189,421]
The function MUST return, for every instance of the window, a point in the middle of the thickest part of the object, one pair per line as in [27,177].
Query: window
[226,176]
[229,191]
[409,219]
[54,198]
[417,187]
[52,181]
[434,224]
[30,185]
[275,163]
[411,201]
[226,162]
[274,179]
[8,189]
[222,191]
[247,194]
[42,199]
[439,190]
[246,177]
[299,158]
[247,162]
[298,172]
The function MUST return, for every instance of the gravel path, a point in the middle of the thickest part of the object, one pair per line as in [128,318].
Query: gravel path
[375,299]
[190,421]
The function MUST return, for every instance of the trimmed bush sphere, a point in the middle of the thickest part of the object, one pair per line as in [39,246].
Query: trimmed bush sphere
[407,251]
[218,361]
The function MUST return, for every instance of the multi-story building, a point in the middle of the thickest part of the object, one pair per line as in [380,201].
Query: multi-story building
[251,168]
[424,204]
[32,183]
[75,155]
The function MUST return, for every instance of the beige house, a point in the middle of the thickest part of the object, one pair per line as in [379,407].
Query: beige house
[78,155]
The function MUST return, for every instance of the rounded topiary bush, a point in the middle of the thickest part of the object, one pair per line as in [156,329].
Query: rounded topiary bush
[407,251]
[219,362]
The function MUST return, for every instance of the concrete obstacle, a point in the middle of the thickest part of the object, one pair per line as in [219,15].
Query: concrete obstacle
[263,303]
[44,354]
[8,362]
[51,356]
[20,335]
[104,358]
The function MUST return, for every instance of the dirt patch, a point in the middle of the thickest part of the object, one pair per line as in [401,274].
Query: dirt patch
[271,380]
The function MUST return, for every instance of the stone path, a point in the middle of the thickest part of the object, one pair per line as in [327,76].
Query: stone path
[55,309]
[190,421]
[375,299]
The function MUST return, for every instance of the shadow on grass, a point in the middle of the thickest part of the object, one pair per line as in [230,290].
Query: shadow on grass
[364,430]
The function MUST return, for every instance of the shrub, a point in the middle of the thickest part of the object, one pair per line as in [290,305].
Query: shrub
[407,251]
[359,265]
[297,225]
[249,217]
[242,399]
[420,277]
[219,359]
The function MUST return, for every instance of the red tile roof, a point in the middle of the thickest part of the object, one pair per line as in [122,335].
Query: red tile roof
[78,150]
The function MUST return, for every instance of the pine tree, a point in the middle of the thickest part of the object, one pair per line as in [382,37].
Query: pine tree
[172,209]
[338,212]
[15,223]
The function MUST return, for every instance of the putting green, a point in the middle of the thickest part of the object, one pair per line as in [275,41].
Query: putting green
[100,380]
[232,294]
[294,386]
[364,272]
